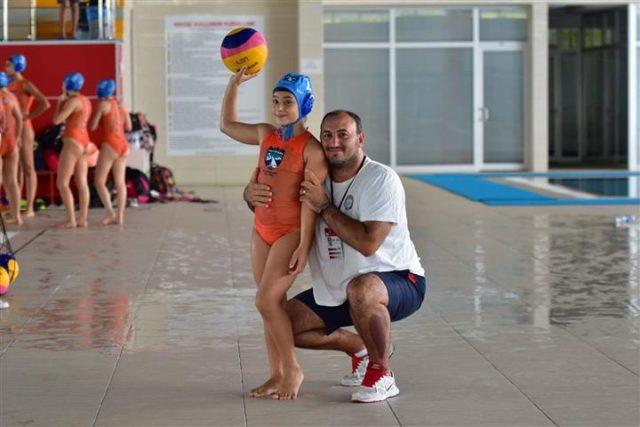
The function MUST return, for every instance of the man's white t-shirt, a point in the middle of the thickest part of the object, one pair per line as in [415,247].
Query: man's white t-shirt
[374,194]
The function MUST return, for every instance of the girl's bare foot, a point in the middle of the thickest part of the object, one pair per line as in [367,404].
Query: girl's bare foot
[67,225]
[290,385]
[11,220]
[267,389]
[29,214]
[83,223]
[108,219]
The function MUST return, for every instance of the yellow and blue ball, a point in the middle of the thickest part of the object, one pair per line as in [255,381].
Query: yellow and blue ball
[244,47]
[9,271]
[5,281]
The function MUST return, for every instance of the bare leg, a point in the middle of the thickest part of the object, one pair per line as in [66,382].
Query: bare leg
[273,287]
[368,299]
[70,155]
[309,331]
[63,12]
[28,169]
[2,167]
[80,178]
[106,160]
[259,253]
[119,179]
[10,178]
[20,174]
[75,12]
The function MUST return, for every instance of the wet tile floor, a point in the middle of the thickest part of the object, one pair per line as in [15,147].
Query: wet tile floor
[532,320]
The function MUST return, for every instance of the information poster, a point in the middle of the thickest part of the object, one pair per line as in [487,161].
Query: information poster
[196,80]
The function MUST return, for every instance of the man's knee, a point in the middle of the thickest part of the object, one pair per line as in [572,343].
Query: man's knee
[362,290]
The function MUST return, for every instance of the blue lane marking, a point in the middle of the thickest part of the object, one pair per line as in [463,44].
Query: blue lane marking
[476,187]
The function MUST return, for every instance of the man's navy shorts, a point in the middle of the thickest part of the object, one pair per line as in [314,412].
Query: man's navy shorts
[406,293]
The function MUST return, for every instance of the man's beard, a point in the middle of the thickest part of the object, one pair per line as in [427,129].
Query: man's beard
[345,163]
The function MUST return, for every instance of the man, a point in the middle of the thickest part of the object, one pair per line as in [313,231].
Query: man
[364,267]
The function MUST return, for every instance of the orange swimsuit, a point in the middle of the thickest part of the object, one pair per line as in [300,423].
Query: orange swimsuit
[9,141]
[112,124]
[24,99]
[281,167]
[76,124]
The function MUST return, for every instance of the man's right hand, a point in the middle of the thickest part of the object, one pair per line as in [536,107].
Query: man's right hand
[256,194]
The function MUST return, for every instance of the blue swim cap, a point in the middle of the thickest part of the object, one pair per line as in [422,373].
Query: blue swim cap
[19,62]
[4,80]
[300,86]
[73,82]
[105,88]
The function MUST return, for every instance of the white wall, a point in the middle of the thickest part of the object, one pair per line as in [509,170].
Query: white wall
[147,75]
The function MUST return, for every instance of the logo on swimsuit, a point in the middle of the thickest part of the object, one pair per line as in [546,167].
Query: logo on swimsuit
[273,158]
[348,202]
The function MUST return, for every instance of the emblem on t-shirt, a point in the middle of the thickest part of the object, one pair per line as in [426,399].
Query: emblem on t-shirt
[273,158]
[334,244]
[348,202]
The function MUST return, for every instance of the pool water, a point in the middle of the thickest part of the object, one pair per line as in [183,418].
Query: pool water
[602,187]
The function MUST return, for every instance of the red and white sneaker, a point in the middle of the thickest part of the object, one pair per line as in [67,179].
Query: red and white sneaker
[378,384]
[358,369]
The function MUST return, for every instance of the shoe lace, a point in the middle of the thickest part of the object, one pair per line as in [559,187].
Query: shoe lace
[373,374]
[355,363]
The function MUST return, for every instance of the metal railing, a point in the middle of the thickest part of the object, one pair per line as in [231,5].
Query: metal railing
[20,19]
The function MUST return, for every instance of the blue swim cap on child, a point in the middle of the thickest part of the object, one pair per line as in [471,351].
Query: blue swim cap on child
[105,88]
[73,82]
[4,80]
[299,85]
[19,62]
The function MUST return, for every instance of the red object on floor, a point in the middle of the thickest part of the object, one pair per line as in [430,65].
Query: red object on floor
[47,186]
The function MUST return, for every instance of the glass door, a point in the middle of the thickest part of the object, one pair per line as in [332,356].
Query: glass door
[500,110]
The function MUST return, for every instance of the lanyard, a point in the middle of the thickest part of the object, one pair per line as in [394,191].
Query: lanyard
[348,187]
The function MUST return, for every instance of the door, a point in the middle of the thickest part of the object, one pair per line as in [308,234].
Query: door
[500,108]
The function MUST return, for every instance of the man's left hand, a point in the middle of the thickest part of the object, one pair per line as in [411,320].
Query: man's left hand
[312,192]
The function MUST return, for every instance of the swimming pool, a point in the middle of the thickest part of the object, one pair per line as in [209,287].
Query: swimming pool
[550,188]
[602,187]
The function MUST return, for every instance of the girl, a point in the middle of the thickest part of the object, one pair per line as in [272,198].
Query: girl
[10,148]
[114,120]
[73,110]
[27,93]
[283,231]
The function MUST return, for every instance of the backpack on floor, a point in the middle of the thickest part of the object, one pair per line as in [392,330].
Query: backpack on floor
[138,185]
